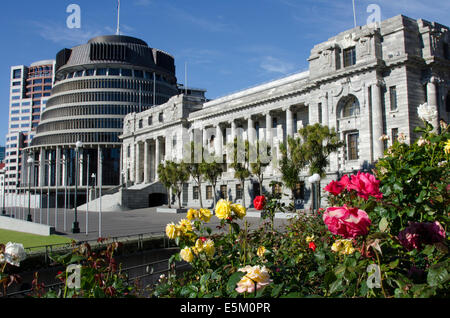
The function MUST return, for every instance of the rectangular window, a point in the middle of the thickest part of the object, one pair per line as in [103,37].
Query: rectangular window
[209,192]
[17,90]
[15,97]
[101,71]
[393,97]
[352,146]
[160,117]
[320,112]
[126,72]
[17,73]
[141,123]
[394,133]
[195,192]
[349,56]
[149,120]
[238,192]
[37,81]
[223,192]
[138,74]
[114,71]
[17,83]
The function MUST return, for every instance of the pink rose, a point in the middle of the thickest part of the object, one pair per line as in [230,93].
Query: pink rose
[345,180]
[334,188]
[365,184]
[346,222]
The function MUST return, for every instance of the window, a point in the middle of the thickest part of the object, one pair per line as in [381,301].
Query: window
[195,192]
[350,106]
[16,83]
[47,80]
[238,192]
[223,192]
[160,117]
[277,188]
[15,104]
[352,146]
[320,112]
[17,90]
[138,74]
[394,133]
[393,97]
[101,71]
[140,123]
[209,192]
[89,72]
[349,56]
[17,73]
[149,120]
[114,71]
[126,72]
[299,190]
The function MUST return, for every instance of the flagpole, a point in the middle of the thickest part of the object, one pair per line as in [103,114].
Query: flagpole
[354,13]
[118,18]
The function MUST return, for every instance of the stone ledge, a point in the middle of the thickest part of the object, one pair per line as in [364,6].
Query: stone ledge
[170,210]
[12,224]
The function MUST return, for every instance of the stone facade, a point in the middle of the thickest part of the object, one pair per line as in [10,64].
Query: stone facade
[366,82]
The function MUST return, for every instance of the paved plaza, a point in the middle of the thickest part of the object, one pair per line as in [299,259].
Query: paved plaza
[122,223]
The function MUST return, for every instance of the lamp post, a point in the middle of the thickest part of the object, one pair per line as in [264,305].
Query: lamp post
[30,162]
[75,224]
[315,179]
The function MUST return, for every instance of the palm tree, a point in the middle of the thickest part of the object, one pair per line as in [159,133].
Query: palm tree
[262,160]
[292,163]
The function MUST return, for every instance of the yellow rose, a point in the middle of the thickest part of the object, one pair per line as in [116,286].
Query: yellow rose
[209,248]
[205,215]
[198,248]
[310,238]
[223,209]
[191,214]
[447,147]
[185,225]
[239,210]
[343,247]
[186,254]
[261,250]
[171,231]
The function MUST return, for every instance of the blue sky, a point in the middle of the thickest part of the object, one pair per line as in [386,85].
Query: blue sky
[228,45]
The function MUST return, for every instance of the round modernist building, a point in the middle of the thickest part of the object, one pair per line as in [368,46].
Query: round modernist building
[96,85]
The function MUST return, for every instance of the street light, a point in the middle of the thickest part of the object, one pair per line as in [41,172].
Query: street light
[30,162]
[75,225]
[315,179]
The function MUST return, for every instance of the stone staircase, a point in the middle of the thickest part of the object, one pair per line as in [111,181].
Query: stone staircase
[132,197]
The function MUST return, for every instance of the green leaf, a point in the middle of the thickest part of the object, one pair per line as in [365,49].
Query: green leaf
[394,264]
[293,295]
[276,290]
[336,286]
[383,224]
[437,275]
[233,280]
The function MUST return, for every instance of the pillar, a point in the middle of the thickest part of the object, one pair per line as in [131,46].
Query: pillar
[137,177]
[250,130]
[433,100]
[377,121]
[156,158]
[218,141]
[58,167]
[325,110]
[289,123]
[41,167]
[146,163]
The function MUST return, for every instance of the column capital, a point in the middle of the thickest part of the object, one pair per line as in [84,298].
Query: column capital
[379,82]
[285,108]
[248,117]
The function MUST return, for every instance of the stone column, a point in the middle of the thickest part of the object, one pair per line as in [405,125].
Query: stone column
[42,167]
[325,110]
[250,130]
[146,163]
[218,141]
[137,177]
[156,157]
[64,168]
[433,100]
[233,130]
[377,121]
[205,137]
[289,123]
[269,136]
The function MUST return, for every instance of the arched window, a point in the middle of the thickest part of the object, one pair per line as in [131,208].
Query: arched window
[348,106]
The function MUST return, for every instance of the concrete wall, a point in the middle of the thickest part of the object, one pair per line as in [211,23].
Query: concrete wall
[8,223]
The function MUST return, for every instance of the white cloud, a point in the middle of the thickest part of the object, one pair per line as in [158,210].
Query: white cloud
[275,65]
[63,35]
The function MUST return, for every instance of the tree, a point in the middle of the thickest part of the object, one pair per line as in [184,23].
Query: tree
[262,152]
[165,179]
[195,169]
[318,143]
[212,171]
[292,163]
[180,174]
[240,162]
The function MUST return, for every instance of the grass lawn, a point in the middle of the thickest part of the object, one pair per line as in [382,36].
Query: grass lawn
[29,240]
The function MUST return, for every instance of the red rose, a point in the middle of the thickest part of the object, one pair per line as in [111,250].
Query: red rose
[334,187]
[312,246]
[345,180]
[259,202]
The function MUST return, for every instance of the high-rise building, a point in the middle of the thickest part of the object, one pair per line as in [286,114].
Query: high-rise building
[96,85]
[30,88]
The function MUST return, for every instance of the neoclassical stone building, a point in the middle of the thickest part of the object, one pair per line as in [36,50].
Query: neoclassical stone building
[366,82]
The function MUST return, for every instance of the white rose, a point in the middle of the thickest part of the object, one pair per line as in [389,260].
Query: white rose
[427,113]
[14,253]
